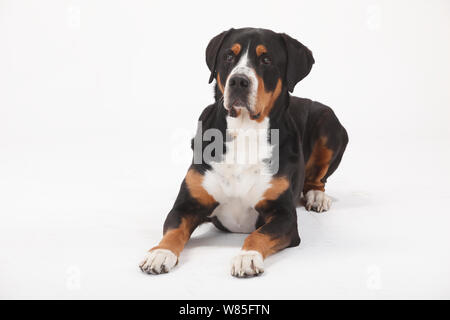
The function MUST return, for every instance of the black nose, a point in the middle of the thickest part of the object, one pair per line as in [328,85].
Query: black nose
[239,81]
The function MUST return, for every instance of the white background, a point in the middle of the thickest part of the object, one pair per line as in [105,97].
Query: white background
[98,100]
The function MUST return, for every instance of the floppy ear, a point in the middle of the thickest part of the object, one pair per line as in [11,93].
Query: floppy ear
[212,50]
[299,61]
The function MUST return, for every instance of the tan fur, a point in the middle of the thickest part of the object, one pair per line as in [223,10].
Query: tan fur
[219,83]
[236,48]
[260,49]
[266,99]
[175,239]
[194,182]
[317,166]
[264,244]
[278,186]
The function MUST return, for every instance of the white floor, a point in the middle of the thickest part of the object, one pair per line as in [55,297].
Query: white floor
[386,235]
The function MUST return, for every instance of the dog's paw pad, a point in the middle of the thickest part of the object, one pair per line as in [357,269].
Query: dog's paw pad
[158,261]
[247,264]
[317,200]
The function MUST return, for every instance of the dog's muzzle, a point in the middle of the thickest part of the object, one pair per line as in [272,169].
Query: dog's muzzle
[239,86]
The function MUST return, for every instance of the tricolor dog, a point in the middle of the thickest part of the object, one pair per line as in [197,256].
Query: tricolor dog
[257,151]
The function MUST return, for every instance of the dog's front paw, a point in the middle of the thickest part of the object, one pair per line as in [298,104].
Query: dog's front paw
[247,264]
[317,200]
[158,261]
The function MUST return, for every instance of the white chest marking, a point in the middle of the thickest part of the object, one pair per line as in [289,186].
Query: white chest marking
[239,181]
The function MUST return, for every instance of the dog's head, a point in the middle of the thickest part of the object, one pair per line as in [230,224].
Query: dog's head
[253,67]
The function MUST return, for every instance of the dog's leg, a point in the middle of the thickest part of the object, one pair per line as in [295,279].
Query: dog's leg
[191,208]
[323,161]
[327,141]
[315,171]
[278,231]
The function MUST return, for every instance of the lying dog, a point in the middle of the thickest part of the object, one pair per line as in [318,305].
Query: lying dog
[255,70]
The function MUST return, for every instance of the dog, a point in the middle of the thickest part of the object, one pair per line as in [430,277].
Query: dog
[255,70]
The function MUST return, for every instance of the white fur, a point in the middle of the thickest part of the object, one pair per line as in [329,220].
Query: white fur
[243,67]
[247,263]
[317,200]
[239,181]
[158,261]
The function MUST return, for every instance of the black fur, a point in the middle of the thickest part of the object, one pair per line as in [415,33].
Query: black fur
[300,122]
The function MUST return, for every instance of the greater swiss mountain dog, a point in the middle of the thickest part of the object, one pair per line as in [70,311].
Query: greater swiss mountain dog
[269,148]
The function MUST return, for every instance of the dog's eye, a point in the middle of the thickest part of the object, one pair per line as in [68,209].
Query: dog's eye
[229,57]
[266,60]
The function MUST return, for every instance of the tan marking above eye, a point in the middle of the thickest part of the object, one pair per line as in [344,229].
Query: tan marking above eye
[260,49]
[236,48]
